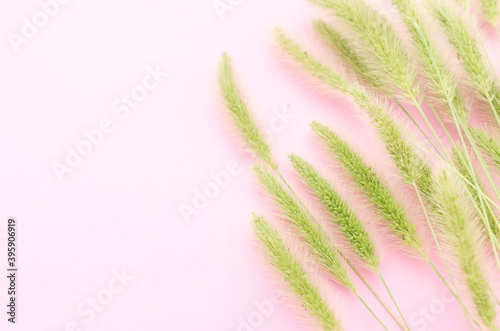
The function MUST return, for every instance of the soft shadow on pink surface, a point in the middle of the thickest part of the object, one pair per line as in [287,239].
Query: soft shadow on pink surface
[107,248]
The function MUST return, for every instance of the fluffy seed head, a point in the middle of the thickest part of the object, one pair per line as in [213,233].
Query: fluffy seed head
[309,229]
[479,77]
[347,220]
[410,165]
[392,63]
[348,53]
[294,275]
[316,68]
[373,186]
[490,10]
[438,76]
[489,143]
[457,227]
[240,114]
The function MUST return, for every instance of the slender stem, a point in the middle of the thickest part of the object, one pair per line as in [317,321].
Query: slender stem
[482,213]
[450,164]
[460,125]
[392,298]
[371,290]
[480,159]
[453,168]
[452,291]
[481,210]
[468,163]
[371,311]
[493,110]
[417,191]
[416,124]
[417,104]
[493,295]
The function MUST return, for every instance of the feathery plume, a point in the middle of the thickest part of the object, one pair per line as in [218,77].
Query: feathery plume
[453,217]
[463,3]
[372,185]
[439,77]
[411,166]
[319,242]
[392,63]
[308,229]
[348,54]
[490,10]
[347,220]
[240,114]
[459,157]
[480,78]
[294,275]
[316,68]
[488,143]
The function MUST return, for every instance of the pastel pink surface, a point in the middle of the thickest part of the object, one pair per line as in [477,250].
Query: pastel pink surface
[119,209]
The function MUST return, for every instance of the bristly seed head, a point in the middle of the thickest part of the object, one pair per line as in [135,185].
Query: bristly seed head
[373,186]
[294,275]
[240,114]
[350,225]
[309,229]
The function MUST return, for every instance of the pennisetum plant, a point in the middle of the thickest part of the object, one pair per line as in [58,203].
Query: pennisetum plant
[412,168]
[491,12]
[456,223]
[458,211]
[463,36]
[489,142]
[388,56]
[294,275]
[379,194]
[348,53]
[458,155]
[309,230]
[351,227]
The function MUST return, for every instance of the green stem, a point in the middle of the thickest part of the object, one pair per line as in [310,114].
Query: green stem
[452,291]
[493,295]
[451,164]
[416,124]
[468,163]
[482,213]
[494,110]
[417,191]
[371,311]
[371,290]
[481,210]
[421,111]
[392,298]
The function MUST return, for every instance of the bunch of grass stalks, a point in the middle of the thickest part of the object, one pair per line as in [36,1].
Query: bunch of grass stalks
[449,167]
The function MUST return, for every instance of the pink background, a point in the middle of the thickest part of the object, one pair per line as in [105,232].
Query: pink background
[119,209]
